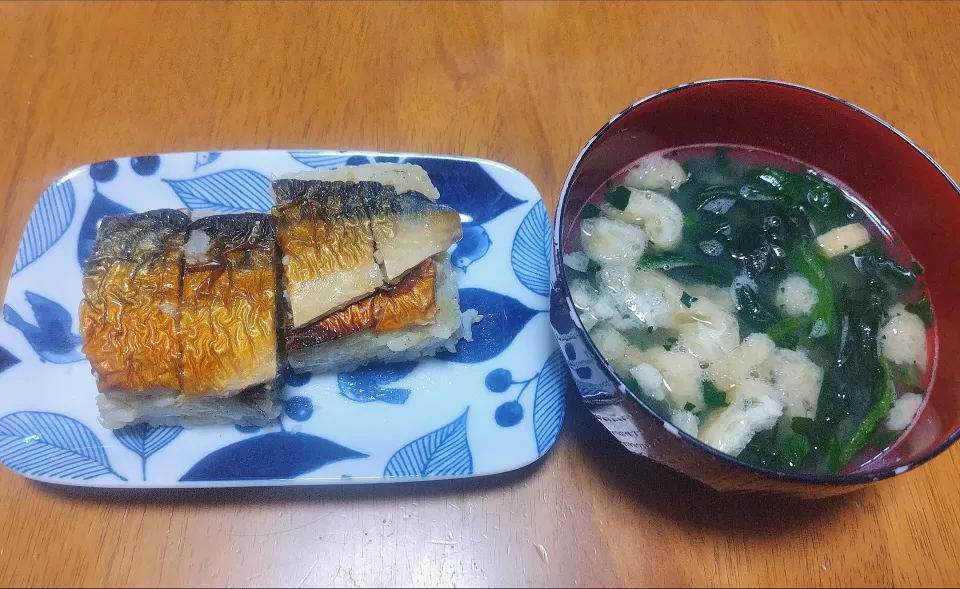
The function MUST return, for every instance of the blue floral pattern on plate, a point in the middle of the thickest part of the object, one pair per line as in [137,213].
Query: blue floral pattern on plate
[484,409]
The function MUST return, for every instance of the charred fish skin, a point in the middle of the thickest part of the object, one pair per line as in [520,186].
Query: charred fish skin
[353,318]
[327,244]
[407,228]
[129,313]
[228,305]
[410,302]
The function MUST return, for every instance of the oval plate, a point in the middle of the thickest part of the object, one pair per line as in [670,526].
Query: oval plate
[494,406]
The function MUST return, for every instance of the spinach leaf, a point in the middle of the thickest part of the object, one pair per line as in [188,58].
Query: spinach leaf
[922,309]
[827,205]
[753,313]
[712,396]
[664,261]
[907,375]
[590,211]
[771,184]
[874,262]
[767,450]
[793,451]
[687,194]
[703,273]
[618,197]
[802,425]
[688,406]
[849,389]
[761,450]
[813,267]
[882,439]
[841,454]
[788,332]
[686,269]
[823,204]
[755,254]
[686,299]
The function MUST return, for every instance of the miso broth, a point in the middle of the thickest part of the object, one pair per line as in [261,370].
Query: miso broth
[756,305]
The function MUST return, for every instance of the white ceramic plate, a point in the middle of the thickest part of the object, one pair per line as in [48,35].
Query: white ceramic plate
[494,406]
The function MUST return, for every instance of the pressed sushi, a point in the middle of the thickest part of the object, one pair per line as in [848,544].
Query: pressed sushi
[175,338]
[128,317]
[228,306]
[190,319]
[413,311]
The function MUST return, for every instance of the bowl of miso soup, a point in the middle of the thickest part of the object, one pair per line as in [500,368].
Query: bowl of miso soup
[753,286]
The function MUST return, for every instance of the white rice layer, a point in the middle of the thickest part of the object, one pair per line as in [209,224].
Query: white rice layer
[166,407]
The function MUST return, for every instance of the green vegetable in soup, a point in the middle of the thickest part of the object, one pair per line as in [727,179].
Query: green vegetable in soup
[883,438]
[663,261]
[875,264]
[590,211]
[906,374]
[849,391]
[842,453]
[813,267]
[618,198]
[771,184]
[712,396]
[685,269]
[922,309]
[789,332]
[767,450]
[802,426]
[754,314]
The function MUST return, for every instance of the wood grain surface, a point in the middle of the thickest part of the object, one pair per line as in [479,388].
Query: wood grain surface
[525,83]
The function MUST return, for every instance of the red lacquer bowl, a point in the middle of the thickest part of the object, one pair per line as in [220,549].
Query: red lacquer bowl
[894,176]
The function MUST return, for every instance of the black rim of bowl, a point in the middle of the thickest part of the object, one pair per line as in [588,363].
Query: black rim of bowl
[815,478]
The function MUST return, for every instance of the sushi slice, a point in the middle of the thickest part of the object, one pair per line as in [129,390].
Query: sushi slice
[420,316]
[228,315]
[179,319]
[128,317]
[415,310]
[328,251]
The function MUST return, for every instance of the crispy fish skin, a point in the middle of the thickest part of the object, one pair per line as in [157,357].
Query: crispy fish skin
[131,286]
[411,302]
[352,319]
[228,307]
[328,250]
[407,228]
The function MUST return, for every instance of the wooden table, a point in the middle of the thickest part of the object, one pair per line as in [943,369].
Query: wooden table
[523,83]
